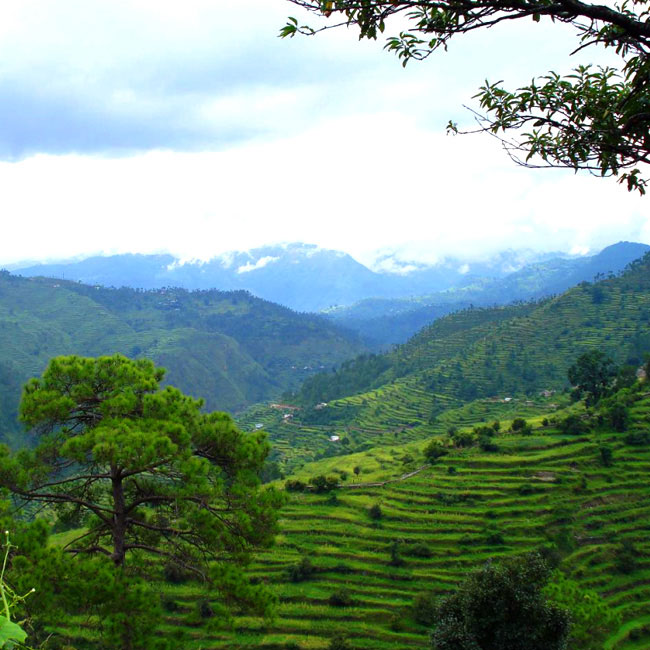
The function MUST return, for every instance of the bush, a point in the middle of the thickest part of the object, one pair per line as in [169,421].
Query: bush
[493,536]
[396,623]
[295,486]
[502,606]
[573,425]
[518,424]
[463,439]
[606,455]
[434,450]
[205,608]
[340,598]
[619,417]
[483,431]
[169,604]
[374,512]
[637,438]
[395,558]
[175,574]
[322,483]
[626,557]
[486,444]
[425,608]
[339,642]
[302,570]
[419,550]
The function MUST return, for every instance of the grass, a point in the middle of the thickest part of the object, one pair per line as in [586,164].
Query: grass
[547,489]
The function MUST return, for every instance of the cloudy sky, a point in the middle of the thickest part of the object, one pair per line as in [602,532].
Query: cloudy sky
[189,127]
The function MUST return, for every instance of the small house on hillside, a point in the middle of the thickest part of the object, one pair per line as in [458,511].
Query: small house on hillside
[335,438]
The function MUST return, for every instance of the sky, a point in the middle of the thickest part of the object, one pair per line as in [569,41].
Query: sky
[191,128]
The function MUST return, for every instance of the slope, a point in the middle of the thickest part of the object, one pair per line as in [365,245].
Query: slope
[338,568]
[384,321]
[228,347]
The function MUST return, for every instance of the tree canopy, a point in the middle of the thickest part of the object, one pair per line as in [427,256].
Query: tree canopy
[595,118]
[138,471]
[593,375]
[502,607]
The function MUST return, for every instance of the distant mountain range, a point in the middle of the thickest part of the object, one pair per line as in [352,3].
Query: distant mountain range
[385,305]
[388,321]
[303,277]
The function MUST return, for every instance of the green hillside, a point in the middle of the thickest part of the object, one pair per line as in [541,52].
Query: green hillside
[513,350]
[228,347]
[336,568]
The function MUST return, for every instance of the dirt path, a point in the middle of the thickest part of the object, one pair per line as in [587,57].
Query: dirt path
[354,486]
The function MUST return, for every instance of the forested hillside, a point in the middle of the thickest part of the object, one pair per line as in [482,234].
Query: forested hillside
[462,368]
[384,321]
[228,347]
[516,349]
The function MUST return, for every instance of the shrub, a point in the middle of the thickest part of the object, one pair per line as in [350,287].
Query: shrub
[626,556]
[396,623]
[493,536]
[374,512]
[395,558]
[573,425]
[339,642]
[169,604]
[425,608]
[605,455]
[483,431]
[175,574]
[637,438]
[502,606]
[486,444]
[205,608]
[463,439]
[419,550]
[518,424]
[322,483]
[340,598]
[295,486]
[302,570]
[434,450]
[619,417]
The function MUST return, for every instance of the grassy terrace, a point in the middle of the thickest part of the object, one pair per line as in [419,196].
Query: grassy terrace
[538,490]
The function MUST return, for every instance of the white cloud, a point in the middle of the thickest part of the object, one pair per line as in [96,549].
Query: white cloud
[230,139]
[260,264]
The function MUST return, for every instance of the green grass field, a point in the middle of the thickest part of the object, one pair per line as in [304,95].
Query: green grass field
[538,490]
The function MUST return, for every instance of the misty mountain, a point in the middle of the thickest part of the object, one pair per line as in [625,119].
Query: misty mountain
[303,277]
[388,321]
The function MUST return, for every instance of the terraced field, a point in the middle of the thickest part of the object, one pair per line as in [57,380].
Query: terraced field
[546,489]
[515,350]
[397,413]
